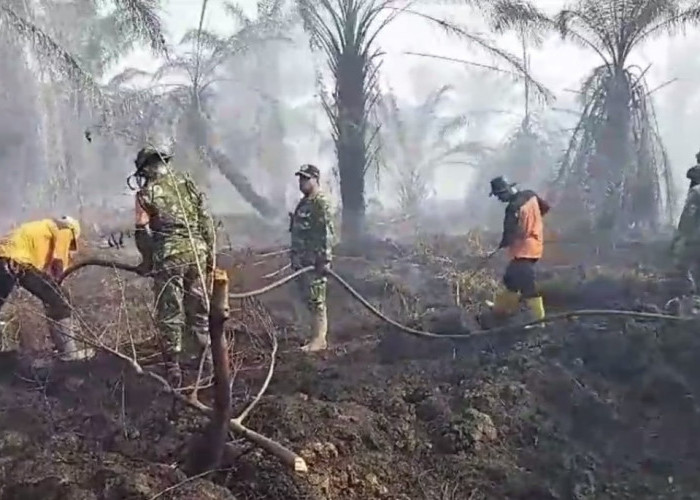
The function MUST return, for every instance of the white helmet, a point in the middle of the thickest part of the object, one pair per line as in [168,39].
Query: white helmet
[68,222]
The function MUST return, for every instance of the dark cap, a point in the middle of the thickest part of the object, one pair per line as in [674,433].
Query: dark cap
[309,171]
[693,173]
[500,185]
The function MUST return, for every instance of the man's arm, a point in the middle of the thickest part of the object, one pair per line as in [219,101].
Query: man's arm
[206,224]
[687,224]
[142,236]
[59,251]
[511,228]
[323,231]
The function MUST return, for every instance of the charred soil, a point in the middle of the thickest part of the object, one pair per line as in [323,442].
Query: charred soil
[588,409]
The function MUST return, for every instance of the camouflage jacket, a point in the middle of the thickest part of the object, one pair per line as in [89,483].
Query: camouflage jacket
[176,210]
[688,233]
[312,233]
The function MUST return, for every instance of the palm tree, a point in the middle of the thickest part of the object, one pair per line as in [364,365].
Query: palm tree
[136,18]
[616,167]
[526,154]
[346,32]
[416,142]
[201,66]
[63,54]
[186,105]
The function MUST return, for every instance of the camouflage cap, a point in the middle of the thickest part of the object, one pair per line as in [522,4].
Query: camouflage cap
[309,171]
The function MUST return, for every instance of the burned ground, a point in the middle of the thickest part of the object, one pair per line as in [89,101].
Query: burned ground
[586,409]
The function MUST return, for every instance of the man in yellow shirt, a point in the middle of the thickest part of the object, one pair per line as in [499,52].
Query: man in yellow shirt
[33,256]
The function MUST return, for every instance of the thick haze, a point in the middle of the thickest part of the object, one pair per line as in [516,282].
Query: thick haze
[492,101]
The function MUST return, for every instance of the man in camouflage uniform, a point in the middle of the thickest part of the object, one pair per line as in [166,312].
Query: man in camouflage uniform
[312,235]
[686,243]
[175,236]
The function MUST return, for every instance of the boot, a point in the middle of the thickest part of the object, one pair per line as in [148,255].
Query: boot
[63,333]
[319,329]
[535,311]
[506,303]
[173,373]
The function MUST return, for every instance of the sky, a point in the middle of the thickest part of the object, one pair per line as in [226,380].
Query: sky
[559,65]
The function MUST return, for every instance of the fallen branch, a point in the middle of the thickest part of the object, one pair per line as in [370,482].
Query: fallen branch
[286,456]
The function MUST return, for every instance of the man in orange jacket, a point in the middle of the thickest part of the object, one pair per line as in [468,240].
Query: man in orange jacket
[523,238]
[33,256]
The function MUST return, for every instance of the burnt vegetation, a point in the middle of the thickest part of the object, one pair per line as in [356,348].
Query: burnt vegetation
[590,407]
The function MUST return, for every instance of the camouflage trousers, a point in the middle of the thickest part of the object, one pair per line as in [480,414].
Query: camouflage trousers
[181,304]
[312,291]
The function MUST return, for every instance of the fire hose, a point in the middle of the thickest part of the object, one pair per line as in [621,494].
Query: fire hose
[287,456]
[376,312]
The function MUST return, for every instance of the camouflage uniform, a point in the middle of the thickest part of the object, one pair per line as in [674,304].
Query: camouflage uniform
[312,234]
[182,238]
[686,243]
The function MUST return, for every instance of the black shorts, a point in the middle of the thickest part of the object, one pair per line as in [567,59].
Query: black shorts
[40,284]
[520,277]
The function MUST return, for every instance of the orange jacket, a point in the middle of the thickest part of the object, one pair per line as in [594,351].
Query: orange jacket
[523,229]
[40,244]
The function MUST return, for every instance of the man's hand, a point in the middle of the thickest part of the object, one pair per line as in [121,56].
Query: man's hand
[492,253]
[56,268]
[322,266]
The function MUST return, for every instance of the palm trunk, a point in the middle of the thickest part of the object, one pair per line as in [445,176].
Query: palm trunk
[201,134]
[241,183]
[614,156]
[351,145]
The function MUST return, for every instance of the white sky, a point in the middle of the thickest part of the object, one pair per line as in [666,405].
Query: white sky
[556,64]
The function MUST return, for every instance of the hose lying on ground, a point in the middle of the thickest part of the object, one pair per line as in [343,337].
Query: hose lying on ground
[411,331]
[287,456]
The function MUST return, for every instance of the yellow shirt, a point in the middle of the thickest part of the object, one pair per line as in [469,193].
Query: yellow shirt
[37,244]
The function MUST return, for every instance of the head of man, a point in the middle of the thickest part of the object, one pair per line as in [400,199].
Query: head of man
[156,153]
[697,157]
[502,189]
[693,175]
[68,223]
[309,176]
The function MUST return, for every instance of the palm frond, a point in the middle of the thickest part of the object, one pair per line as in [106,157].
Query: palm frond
[141,16]
[53,57]
[237,13]
[489,48]
[208,39]
[676,20]
[125,76]
[574,26]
